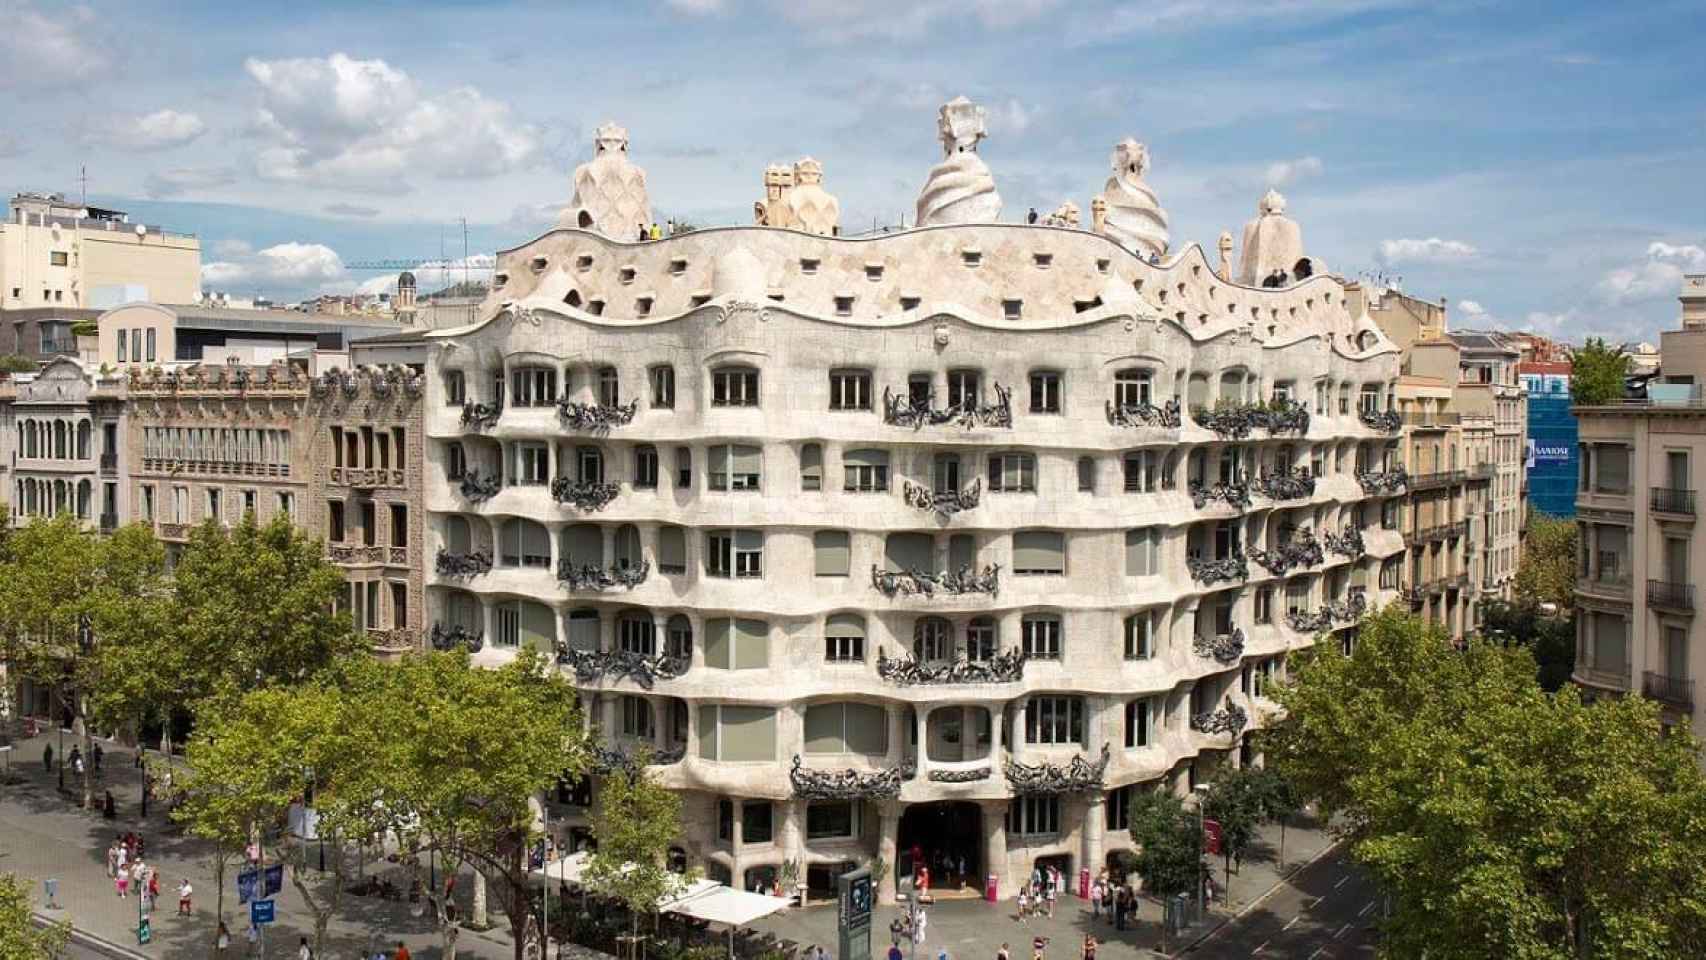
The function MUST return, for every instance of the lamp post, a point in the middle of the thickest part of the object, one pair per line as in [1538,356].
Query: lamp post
[1201,791]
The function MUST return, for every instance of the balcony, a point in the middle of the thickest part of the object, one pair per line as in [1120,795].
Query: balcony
[593,576]
[906,671]
[1439,478]
[1483,471]
[1670,596]
[945,503]
[366,478]
[902,410]
[1675,691]
[584,495]
[1605,584]
[1676,503]
[1609,676]
[1387,421]
[109,464]
[349,553]
[597,418]
[1432,421]
[1384,482]
[462,566]
[1165,416]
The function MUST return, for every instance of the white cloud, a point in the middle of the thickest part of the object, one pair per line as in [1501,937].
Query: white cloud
[1657,277]
[1287,172]
[43,49]
[1431,250]
[1010,118]
[364,125]
[845,20]
[177,180]
[289,264]
[1471,308]
[696,8]
[159,130]
[351,210]
[436,275]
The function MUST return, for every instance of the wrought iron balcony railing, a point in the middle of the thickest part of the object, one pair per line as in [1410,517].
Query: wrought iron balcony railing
[1078,775]
[906,671]
[902,410]
[462,566]
[456,637]
[945,503]
[1302,550]
[1222,647]
[1235,494]
[1165,416]
[606,760]
[1229,719]
[1671,596]
[1439,478]
[596,417]
[593,576]
[966,580]
[1384,420]
[1346,544]
[584,495]
[643,669]
[846,784]
[1673,501]
[476,487]
[1379,482]
[1297,484]
[1209,572]
[481,415]
[1676,691]
[355,553]
[1235,421]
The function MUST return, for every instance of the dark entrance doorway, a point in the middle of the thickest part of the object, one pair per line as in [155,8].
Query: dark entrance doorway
[947,837]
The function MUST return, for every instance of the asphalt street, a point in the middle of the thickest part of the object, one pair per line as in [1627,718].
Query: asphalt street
[1327,911]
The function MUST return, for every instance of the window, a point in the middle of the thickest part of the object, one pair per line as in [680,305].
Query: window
[734,553]
[399,520]
[734,734]
[636,633]
[1139,720]
[1344,399]
[1390,572]
[58,258]
[524,543]
[1040,634]
[736,644]
[811,466]
[1142,552]
[150,340]
[637,717]
[524,623]
[609,385]
[932,640]
[837,820]
[287,505]
[831,553]
[646,466]
[455,388]
[1140,636]
[1045,391]
[1264,604]
[533,465]
[662,378]
[672,549]
[533,386]
[1039,553]
[734,467]
[1034,816]
[849,389]
[1054,720]
[1013,473]
[844,638]
[1086,475]
[1138,470]
[1368,401]
[734,387]
[865,471]
[757,822]
[455,461]
[684,468]
[1297,596]
[123,343]
[1012,309]
[1133,388]
[982,642]
[839,728]
[963,389]
[216,504]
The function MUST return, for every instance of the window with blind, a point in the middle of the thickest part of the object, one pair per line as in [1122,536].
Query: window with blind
[734,467]
[736,644]
[844,638]
[1142,552]
[1041,635]
[865,471]
[1086,475]
[737,734]
[525,544]
[1013,472]
[583,543]
[680,636]
[582,627]
[463,610]
[734,553]
[831,553]
[1613,463]
[909,551]
[1140,635]
[1039,553]
[523,623]
[846,727]
[672,549]
[1610,642]
[811,466]
[1054,720]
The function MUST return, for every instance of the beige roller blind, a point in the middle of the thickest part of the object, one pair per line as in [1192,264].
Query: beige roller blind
[752,645]
[718,643]
[747,734]
[1039,551]
[832,553]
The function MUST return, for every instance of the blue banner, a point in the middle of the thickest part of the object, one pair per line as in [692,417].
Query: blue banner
[246,885]
[274,880]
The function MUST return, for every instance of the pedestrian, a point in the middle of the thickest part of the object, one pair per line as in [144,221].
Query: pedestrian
[894,951]
[47,759]
[303,952]
[1038,942]
[97,754]
[1120,906]
[1053,891]
[1096,899]
[1089,947]
[942,954]
[1023,907]
[153,886]
[112,859]
[1032,216]
[1003,953]
[642,228]
[222,941]
[402,952]
[121,882]
[657,231]
[77,761]
[919,924]
[184,892]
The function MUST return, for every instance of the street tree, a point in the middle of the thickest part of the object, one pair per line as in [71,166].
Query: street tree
[1546,571]
[1502,820]
[1169,841]
[1549,637]
[20,938]
[1279,800]
[1597,373]
[635,822]
[1234,800]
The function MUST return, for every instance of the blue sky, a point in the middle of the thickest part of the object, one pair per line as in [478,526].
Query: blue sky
[1538,164]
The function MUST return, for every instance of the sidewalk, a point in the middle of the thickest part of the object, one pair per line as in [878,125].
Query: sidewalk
[43,834]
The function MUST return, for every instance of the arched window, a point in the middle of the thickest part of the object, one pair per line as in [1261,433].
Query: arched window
[83,437]
[932,640]
[1232,386]
[1134,387]
[627,547]
[583,543]
[680,631]
[844,638]
[61,440]
[525,544]
[982,639]
[457,538]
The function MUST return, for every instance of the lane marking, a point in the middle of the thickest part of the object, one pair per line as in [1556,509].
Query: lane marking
[1366,908]
[1264,946]
[1341,881]
[1288,925]
[1341,931]
[1317,953]
[1317,900]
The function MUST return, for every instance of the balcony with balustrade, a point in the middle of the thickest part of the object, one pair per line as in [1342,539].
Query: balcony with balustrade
[1676,692]
[1670,597]
[1671,503]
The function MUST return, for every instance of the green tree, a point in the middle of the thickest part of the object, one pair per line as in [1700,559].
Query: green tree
[20,938]
[1169,841]
[634,823]
[1502,820]
[1279,800]
[1549,638]
[1546,571]
[1597,373]
[1234,799]
[12,363]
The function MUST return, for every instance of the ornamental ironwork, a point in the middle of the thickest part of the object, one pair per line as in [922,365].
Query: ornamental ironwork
[1346,544]
[907,671]
[1295,484]
[354,553]
[605,761]
[1286,416]
[945,503]
[456,637]
[845,784]
[1387,481]
[972,775]
[1235,494]
[1310,621]
[1302,550]
[1208,572]
[965,580]
[584,495]
[1144,414]
[1229,719]
[461,566]
[481,414]
[476,487]
[1079,775]
[594,665]
[1387,421]
[1235,421]
[1350,609]
[596,417]
[902,410]
[1223,647]
[594,576]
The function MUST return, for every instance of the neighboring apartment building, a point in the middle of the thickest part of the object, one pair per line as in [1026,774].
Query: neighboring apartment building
[63,425]
[143,334]
[1551,461]
[911,543]
[61,263]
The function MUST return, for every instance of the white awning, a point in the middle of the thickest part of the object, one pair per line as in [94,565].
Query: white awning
[568,869]
[717,903]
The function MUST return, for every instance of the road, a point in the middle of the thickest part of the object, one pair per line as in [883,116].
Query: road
[1326,911]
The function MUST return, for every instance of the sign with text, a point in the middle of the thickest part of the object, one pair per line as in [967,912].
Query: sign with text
[261,911]
[246,880]
[853,916]
[274,880]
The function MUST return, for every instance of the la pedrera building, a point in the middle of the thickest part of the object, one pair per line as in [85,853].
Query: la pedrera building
[938,543]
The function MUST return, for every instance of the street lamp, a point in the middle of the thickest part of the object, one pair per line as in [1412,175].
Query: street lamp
[1202,791]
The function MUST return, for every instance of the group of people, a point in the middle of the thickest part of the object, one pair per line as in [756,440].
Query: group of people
[1038,895]
[1117,900]
[655,232]
[129,871]
[74,759]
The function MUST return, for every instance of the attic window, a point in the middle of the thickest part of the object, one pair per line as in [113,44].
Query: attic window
[1082,306]
[583,262]
[1102,265]
[909,303]
[626,274]
[1042,260]
[538,264]
[1196,270]
[1232,308]
[573,299]
[1181,289]
[844,306]
[595,307]
[1012,309]
[677,267]
[699,300]
[1255,313]
[643,306]
[1270,329]
[873,271]
[971,258]
[776,297]
[498,280]
[808,266]
[1163,295]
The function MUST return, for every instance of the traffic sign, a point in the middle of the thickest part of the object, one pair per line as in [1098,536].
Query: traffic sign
[1211,834]
[261,911]
[144,931]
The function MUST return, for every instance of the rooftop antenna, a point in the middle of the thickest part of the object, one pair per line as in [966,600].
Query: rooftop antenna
[83,177]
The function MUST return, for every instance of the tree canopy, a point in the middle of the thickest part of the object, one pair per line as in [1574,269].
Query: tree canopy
[1549,638]
[20,938]
[1502,820]
[1597,373]
[1546,571]
[635,822]
[1169,840]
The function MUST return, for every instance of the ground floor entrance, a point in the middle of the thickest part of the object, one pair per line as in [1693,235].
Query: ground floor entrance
[945,838]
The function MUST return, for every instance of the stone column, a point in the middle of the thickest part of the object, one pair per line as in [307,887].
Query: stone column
[737,875]
[995,844]
[793,840]
[968,732]
[923,728]
[1095,822]
[888,837]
